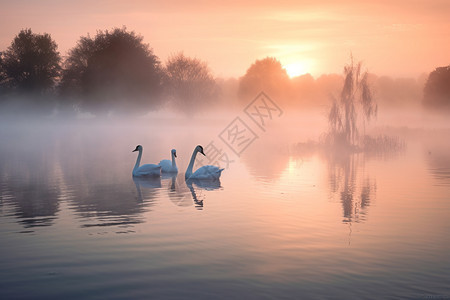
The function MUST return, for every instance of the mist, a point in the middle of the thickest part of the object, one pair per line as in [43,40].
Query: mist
[279,185]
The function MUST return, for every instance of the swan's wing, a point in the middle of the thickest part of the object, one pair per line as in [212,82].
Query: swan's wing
[165,164]
[212,169]
[207,172]
[149,169]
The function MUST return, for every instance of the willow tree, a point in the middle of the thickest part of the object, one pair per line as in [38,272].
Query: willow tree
[354,108]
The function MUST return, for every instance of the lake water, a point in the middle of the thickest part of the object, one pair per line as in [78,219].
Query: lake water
[280,225]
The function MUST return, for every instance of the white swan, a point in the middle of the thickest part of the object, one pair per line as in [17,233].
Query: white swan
[205,172]
[145,170]
[168,166]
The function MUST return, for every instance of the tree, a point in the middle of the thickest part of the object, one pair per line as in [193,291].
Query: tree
[400,92]
[31,64]
[437,89]
[189,82]
[2,76]
[265,75]
[2,73]
[115,71]
[304,88]
[343,116]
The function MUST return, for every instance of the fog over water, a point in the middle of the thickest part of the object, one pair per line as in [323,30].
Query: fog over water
[286,219]
[253,150]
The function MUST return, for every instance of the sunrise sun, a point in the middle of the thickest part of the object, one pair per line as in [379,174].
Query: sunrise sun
[296,69]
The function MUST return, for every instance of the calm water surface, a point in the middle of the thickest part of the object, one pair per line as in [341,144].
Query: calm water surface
[279,225]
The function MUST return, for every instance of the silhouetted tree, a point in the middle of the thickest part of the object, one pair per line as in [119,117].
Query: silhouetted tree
[2,77]
[115,71]
[228,89]
[398,92]
[343,116]
[31,64]
[189,82]
[265,75]
[304,89]
[437,89]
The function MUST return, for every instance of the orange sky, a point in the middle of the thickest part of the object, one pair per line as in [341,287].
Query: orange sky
[396,37]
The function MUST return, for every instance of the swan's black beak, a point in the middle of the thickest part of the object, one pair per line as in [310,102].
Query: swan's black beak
[202,153]
[135,149]
[175,154]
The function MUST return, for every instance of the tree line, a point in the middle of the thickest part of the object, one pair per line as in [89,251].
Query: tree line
[116,72]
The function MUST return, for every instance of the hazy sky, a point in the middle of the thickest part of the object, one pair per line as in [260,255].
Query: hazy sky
[392,37]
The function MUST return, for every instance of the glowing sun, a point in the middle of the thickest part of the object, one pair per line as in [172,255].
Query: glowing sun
[296,69]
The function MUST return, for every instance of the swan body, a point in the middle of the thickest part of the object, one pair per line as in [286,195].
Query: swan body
[206,172]
[147,169]
[168,166]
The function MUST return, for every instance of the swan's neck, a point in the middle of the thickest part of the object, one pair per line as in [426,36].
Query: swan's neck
[174,164]
[138,160]
[191,163]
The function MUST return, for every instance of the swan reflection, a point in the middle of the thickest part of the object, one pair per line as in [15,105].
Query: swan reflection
[205,184]
[178,191]
[151,184]
[197,185]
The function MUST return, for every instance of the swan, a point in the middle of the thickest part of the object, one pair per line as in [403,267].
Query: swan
[168,166]
[145,170]
[205,172]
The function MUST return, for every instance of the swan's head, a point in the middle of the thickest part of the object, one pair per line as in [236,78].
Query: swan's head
[174,152]
[138,148]
[200,149]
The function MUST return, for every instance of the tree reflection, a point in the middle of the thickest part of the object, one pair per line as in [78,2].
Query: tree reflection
[41,170]
[267,165]
[38,174]
[438,158]
[349,179]
[35,203]
[34,197]
[109,199]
